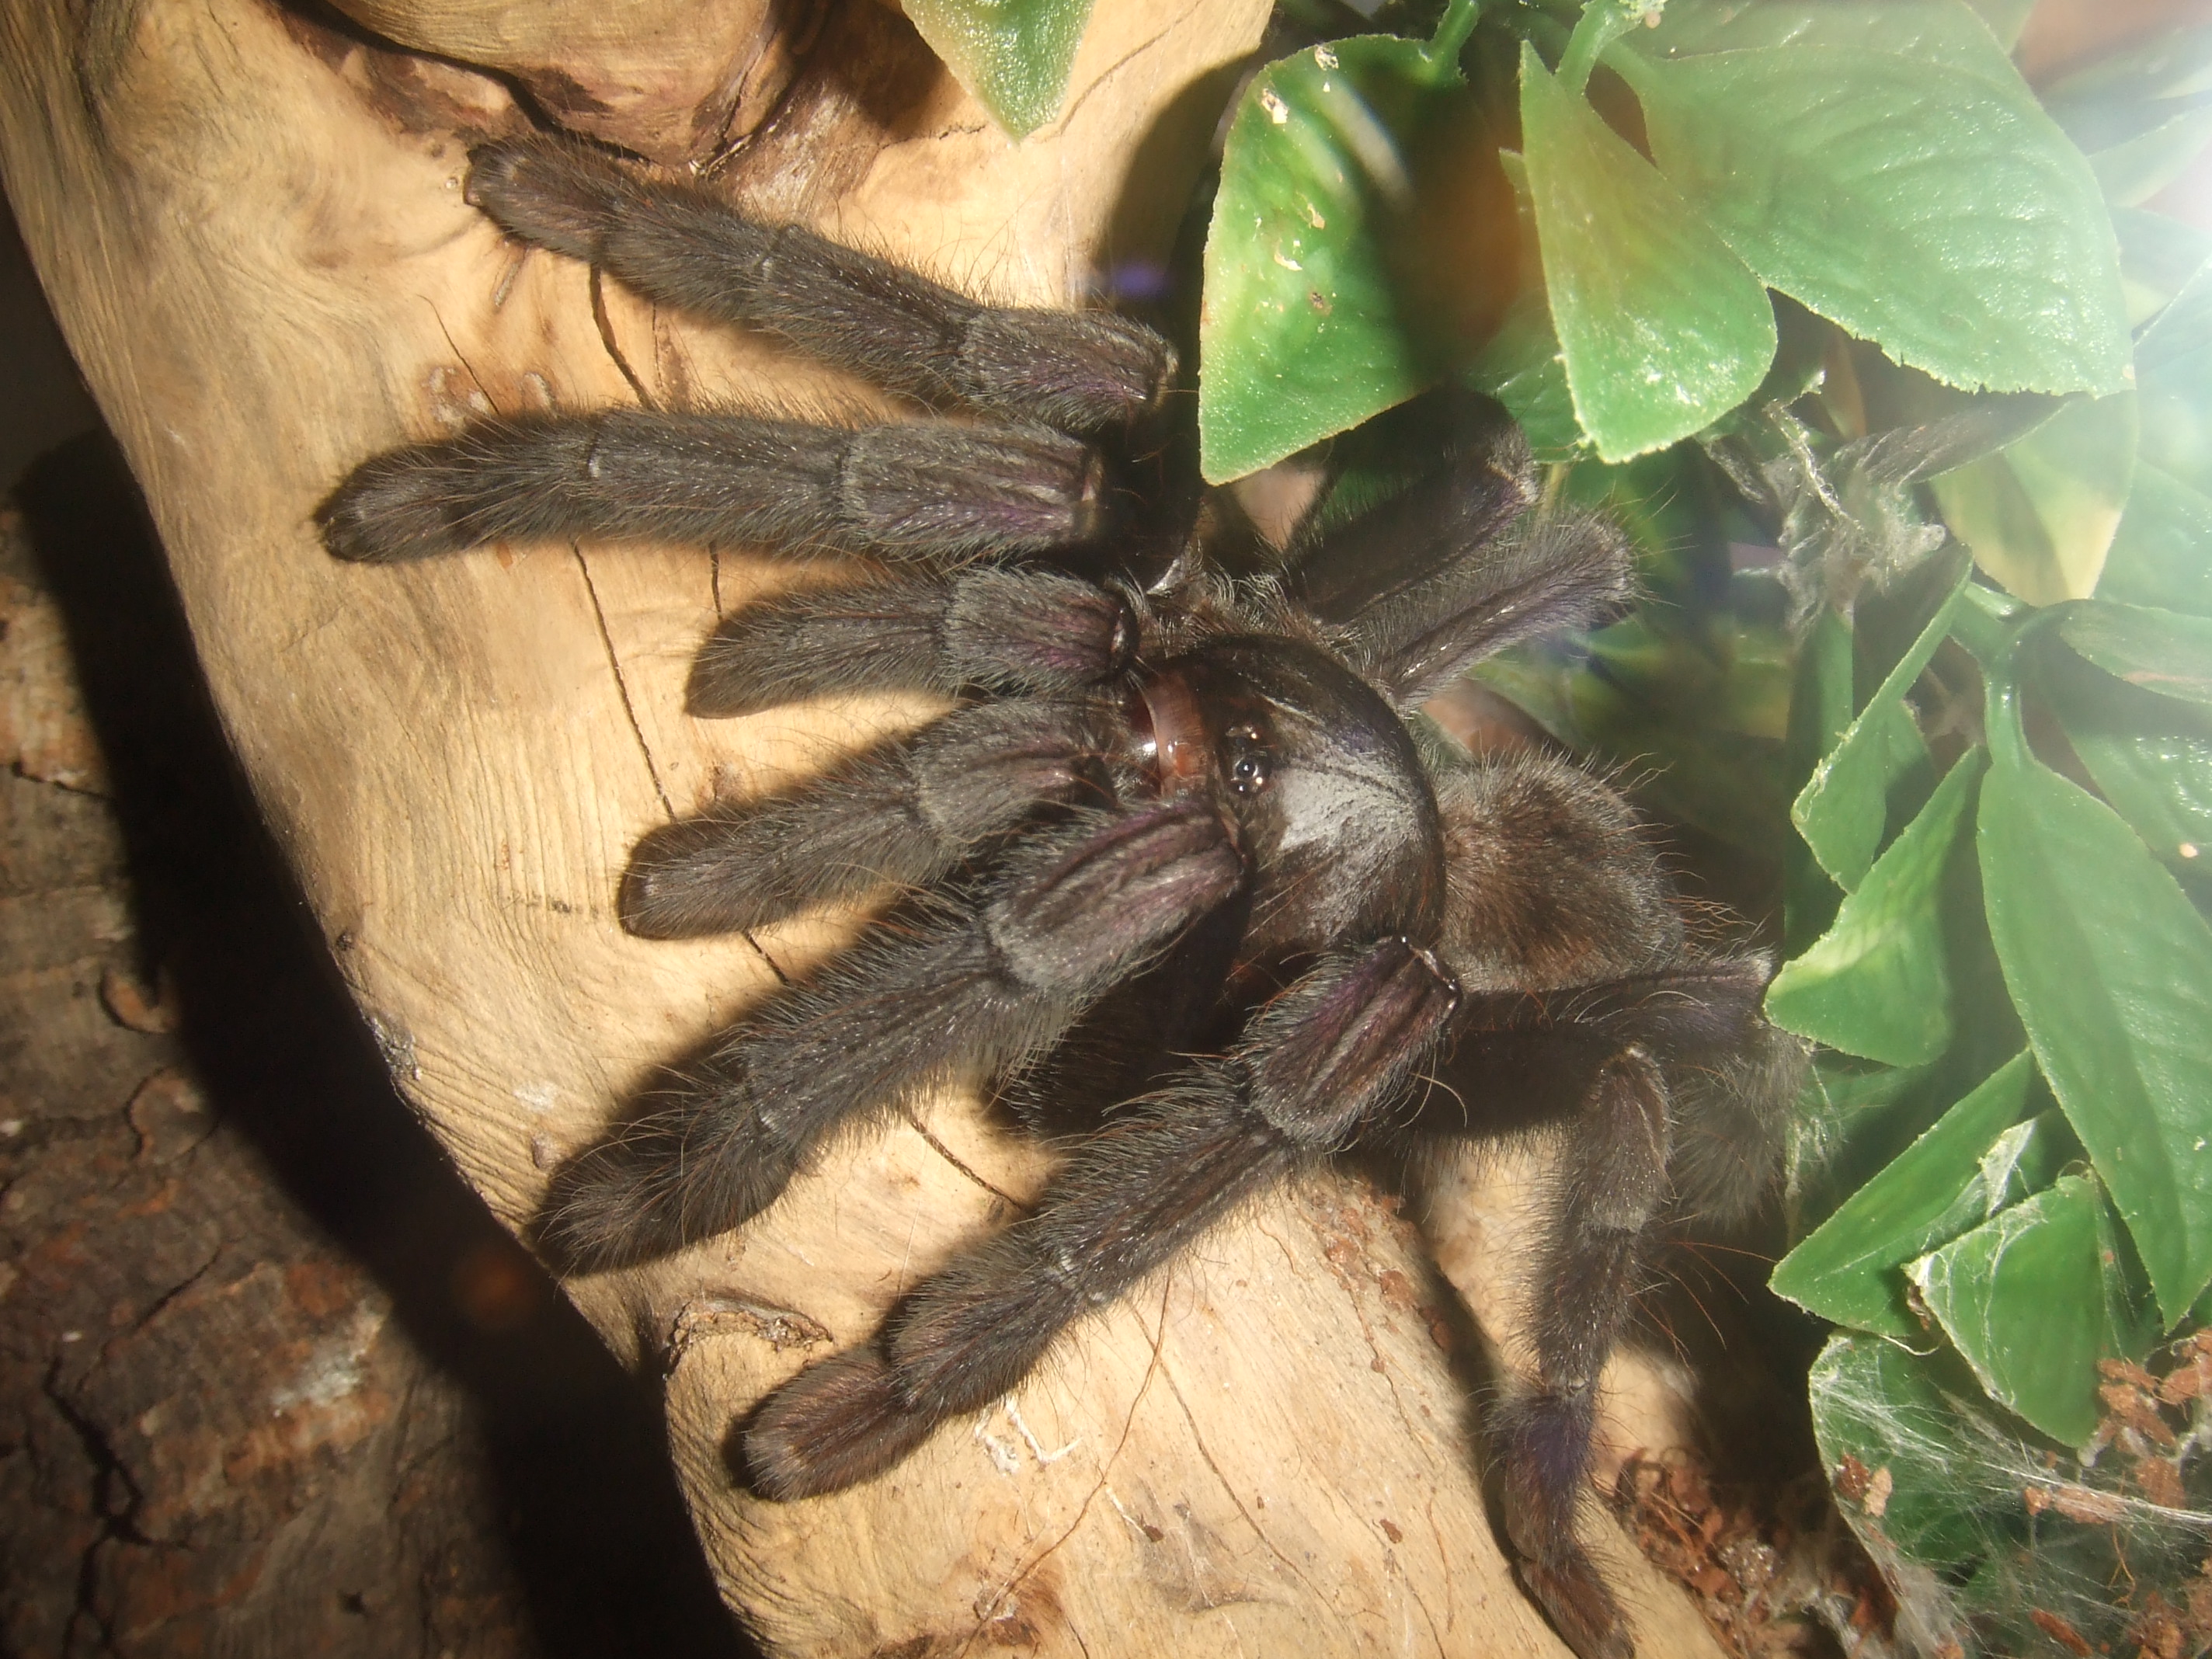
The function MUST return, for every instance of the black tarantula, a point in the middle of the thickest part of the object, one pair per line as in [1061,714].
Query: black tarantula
[1192,888]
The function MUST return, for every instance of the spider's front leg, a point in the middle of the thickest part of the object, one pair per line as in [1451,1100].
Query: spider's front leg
[1075,912]
[904,811]
[1327,1056]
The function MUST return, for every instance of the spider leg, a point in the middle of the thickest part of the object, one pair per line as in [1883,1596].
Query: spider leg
[903,812]
[1027,630]
[1612,1186]
[1079,909]
[1439,576]
[1328,1054]
[926,490]
[676,243]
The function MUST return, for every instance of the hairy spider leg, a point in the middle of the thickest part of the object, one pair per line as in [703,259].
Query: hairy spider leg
[1076,911]
[983,627]
[922,491]
[1612,1185]
[1082,371]
[1440,576]
[1328,1055]
[907,810]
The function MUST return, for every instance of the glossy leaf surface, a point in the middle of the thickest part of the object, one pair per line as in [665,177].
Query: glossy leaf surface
[1849,1268]
[1661,328]
[2024,1299]
[2040,515]
[1842,811]
[1876,984]
[1013,55]
[1306,330]
[2161,554]
[1931,208]
[2160,651]
[2110,967]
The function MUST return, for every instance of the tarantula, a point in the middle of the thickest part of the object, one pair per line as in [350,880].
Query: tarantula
[1191,884]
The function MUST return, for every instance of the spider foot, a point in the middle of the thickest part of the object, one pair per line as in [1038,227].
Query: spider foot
[669,1180]
[832,1427]
[1578,1604]
[551,192]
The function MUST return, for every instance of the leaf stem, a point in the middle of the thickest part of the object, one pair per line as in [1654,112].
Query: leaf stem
[1451,36]
[1603,22]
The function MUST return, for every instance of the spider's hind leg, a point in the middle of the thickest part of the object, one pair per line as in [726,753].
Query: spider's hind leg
[1076,910]
[1327,1056]
[1611,1187]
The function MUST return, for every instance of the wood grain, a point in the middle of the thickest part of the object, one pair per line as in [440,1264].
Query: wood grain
[252,229]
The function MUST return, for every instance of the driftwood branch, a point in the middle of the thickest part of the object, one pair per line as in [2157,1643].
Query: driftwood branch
[251,224]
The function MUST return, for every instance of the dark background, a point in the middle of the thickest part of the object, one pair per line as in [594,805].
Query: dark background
[271,1378]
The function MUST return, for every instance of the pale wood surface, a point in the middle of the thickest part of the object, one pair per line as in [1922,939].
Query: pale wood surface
[253,230]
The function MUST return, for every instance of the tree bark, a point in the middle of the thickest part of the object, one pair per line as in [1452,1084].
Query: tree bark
[250,219]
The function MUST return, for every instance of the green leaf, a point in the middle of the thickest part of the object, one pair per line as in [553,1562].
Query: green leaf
[2141,115]
[1881,1408]
[1849,1122]
[1307,327]
[1521,367]
[2162,552]
[2039,515]
[1970,1519]
[2160,651]
[2110,969]
[2024,1299]
[1013,55]
[1842,811]
[2174,366]
[2157,256]
[1931,31]
[1931,209]
[1661,328]
[1875,984]
[1943,1184]
[2151,758]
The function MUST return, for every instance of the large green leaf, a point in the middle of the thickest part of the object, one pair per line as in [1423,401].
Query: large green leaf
[1661,328]
[1013,55]
[2157,255]
[1521,367]
[2151,758]
[1842,810]
[1313,319]
[1931,209]
[1942,32]
[2040,515]
[2173,365]
[2025,1299]
[2160,651]
[2162,554]
[1875,984]
[1847,1269]
[2110,970]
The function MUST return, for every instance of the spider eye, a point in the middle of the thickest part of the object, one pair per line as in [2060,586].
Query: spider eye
[1245,762]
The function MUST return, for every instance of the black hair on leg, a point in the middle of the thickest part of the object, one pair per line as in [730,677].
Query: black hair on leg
[1077,911]
[924,490]
[904,811]
[1007,631]
[1082,371]
[1612,1186]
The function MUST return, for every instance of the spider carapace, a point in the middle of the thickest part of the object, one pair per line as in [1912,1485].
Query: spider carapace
[1190,883]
